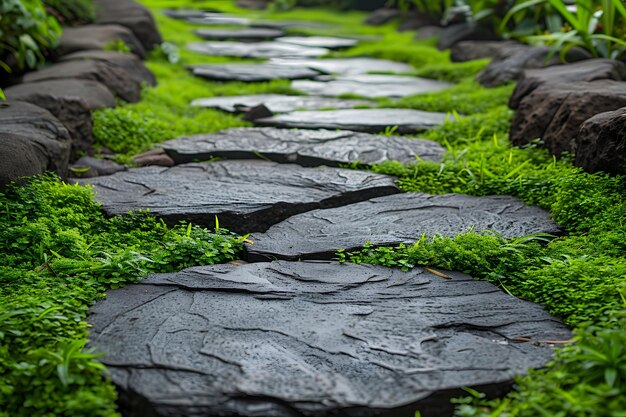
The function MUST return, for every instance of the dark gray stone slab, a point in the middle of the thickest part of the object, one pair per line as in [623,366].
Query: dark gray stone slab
[256,50]
[601,143]
[130,14]
[245,195]
[219,19]
[303,147]
[391,220]
[277,103]
[348,66]
[184,14]
[290,339]
[244,34]
[371,85]
[360,120]
[129,63]
[90,37]
[252,72]
[328,42]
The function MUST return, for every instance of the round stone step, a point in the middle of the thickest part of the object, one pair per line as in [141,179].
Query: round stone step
[290,339]
[391,220]
[256,50]
[245,195]
[361,120]
[319,41]
[303,147]
[278,103]
[245,34]
[346,66]
[371,85]
[252,72]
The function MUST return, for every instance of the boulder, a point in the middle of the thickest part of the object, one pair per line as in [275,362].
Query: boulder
[131,15]
[132,65]
[428,32]
[90,37]
[287,339]
[459,32]
[509,67]
[416,21]
[113,77]
[382,16]
[89,167]
[71,101]
[32,141]
[601,143]
[589,70]
[555,113]
[471,50]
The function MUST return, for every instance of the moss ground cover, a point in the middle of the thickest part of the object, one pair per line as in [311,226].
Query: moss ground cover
[58,253]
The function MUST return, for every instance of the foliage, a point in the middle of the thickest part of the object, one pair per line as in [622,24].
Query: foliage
[71,12]
[58,254]
[26,32]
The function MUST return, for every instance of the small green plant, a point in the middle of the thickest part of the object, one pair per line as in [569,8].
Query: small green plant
[71,12]
[117,45]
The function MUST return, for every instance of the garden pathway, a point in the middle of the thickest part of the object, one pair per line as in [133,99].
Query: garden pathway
[312,337]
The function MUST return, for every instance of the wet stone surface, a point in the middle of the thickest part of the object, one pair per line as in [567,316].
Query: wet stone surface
[277,103]
[372,85]
[313,339]
[361,120]
[303,147]
[346,66]
[390,220]
[256,50]
[319,41]
[245,195]
[252,72]
[247,34]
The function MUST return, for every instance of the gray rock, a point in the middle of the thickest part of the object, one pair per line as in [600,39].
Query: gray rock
[96,167]
[184,14]
[360,120]
[348,66]
[127,62]
[219,19]
[302,147]
[244,34]
[391,220]
[245,195]
[154,157]
[252,72]
[290,339]
[253,4]
[589,70]
[113,77]
[131,15]
[277,103]
[32,141]
[601,143]
[372,85]
[511,66]
[327,42]
[90,37]
[460,32]
[256,50]
[71,101]
[428,32]
[556,112]
[471,50]
[383,16]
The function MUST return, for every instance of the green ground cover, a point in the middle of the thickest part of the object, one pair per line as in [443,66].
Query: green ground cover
[58,253]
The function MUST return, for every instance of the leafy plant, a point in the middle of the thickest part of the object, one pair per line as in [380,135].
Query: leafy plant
[71,12]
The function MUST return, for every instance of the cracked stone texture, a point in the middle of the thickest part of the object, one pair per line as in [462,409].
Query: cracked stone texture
[361,120]
[117,80]
[32,141]
[302,147]
[256,50]
[328,42]
[245,195]
[252,72]
[245,34]
[556,112]
[132,65]
[313,339]
[392,220]
[347,66]
[278,103]
[371,85]
[90,37]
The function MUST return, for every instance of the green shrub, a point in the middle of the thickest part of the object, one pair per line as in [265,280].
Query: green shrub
[72,12]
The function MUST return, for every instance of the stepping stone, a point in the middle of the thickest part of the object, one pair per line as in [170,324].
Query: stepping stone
[319,41]
[245,195]
[314,339]
[348,66]
[360,120]
[303,147]
[277,103]
[372,85]
[256,50]
[247,34]
[392,220]
[185,14]
[219,19]
[252,72]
